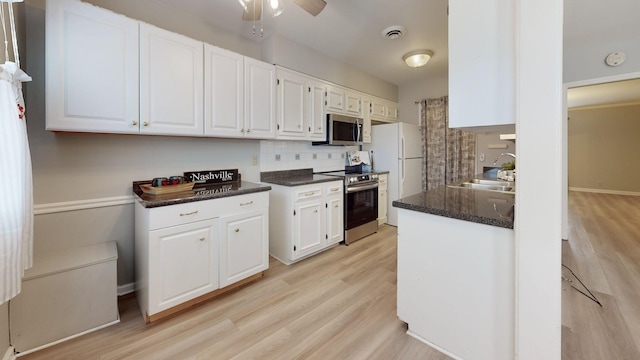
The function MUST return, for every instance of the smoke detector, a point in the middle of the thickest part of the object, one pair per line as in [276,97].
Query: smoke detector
[393,32]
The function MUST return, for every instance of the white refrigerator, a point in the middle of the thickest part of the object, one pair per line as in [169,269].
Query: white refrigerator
[397,148]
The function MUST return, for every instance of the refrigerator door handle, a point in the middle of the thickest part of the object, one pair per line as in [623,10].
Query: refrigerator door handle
[402,147]
[403,172]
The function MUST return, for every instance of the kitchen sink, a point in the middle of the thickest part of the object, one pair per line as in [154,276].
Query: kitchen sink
[488,185]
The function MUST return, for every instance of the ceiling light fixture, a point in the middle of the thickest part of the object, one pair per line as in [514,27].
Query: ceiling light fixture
[277,6]
[417,58]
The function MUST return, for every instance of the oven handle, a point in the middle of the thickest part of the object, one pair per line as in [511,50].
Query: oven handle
[352,189]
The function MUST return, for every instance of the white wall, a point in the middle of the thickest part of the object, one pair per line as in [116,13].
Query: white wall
[424,88]
[281,51]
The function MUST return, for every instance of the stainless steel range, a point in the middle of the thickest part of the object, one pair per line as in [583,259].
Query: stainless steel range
[360,204]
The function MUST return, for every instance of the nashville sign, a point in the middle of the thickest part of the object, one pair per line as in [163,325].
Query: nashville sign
[212,176]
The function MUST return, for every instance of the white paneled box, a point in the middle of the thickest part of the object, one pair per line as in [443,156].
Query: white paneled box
[65,294]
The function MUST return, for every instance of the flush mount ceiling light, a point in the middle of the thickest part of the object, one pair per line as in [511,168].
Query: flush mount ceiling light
[417,58]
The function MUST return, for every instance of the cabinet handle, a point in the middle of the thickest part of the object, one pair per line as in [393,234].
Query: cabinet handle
[335,189]
[299,126]
[248,130]
[242,130]
[315,211]
[309,193]
[309,128]
[189,213]
[247,203]
[319,127]
[339,104]
[146,123]
[134,123]
[336,206]
[202,239]
[237,230]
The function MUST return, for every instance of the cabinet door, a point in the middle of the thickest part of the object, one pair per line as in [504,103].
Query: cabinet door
[334,99]
[259,99]
[309,227]
[378,109]
[335,219]
[291,105]
[353,107]
[183,263]
[244,246]
[223,92]
[316,116]
[392,111]
[91,69]
[382,206]
[366,121]
[171,83]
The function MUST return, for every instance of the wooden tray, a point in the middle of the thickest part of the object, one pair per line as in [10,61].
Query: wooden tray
[168,189]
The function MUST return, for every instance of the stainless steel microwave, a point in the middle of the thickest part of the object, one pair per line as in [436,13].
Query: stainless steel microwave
[342,130]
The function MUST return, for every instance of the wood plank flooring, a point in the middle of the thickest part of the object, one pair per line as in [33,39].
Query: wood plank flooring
[604,251]
[341,304]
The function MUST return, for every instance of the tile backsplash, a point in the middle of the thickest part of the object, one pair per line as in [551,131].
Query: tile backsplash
[288,155]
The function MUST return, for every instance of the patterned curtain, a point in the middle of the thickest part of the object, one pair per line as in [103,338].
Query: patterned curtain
[450,154]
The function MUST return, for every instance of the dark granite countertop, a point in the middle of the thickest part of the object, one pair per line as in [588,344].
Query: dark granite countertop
[295,177]
[479,206]
[213,191]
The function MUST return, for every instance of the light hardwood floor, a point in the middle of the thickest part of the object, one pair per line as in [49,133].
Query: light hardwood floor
[603,250]
[341,304]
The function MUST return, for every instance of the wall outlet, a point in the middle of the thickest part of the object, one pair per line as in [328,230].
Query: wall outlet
[482,157]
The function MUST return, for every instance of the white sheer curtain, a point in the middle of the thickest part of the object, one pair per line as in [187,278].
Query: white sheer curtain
[16,192]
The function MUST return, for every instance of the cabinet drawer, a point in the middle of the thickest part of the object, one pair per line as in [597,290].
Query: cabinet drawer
[242,203]
[308,192]
[334,189]
[172,215]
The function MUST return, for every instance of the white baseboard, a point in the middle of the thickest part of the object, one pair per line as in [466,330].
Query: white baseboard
[605,191]
[126,289]
[10,354]
[68,338]
[432,345]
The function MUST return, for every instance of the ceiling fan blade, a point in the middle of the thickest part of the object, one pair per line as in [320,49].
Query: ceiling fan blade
[250,14]
[313,7]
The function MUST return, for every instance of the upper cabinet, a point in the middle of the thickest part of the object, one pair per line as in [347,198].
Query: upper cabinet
[223,92]
[366,120]
[354,104]
[481,63]
[383,110]
[91,69]
[239,95]
[300,106]
[171,83]
[259,99]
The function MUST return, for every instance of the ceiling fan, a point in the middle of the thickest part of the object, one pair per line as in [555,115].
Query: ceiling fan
[253,8]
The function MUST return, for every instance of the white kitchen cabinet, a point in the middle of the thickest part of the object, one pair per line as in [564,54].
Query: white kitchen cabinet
[481,63]
[187,253]
[300,106]
[382,198]
[383,110]
[366,120]
[334,204]
[183,263]
[171,83]
[335,99]
[223,92]
[91,69]
[354,104]
[304,220]
[259,99]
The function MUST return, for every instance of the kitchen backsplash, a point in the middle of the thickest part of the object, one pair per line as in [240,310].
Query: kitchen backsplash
[287,155]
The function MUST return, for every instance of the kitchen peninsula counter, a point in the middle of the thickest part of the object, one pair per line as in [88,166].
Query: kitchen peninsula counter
[482,207]
[456,272]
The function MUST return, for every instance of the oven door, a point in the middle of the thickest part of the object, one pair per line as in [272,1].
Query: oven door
[361,205]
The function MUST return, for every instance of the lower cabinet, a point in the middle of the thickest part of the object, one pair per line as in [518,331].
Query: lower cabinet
[188,253]
[305,220]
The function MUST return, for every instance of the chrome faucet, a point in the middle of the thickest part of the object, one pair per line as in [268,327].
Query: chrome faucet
[503,154]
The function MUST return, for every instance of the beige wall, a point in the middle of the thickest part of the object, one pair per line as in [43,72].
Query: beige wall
[4,328]
[604,143]
[483,144]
